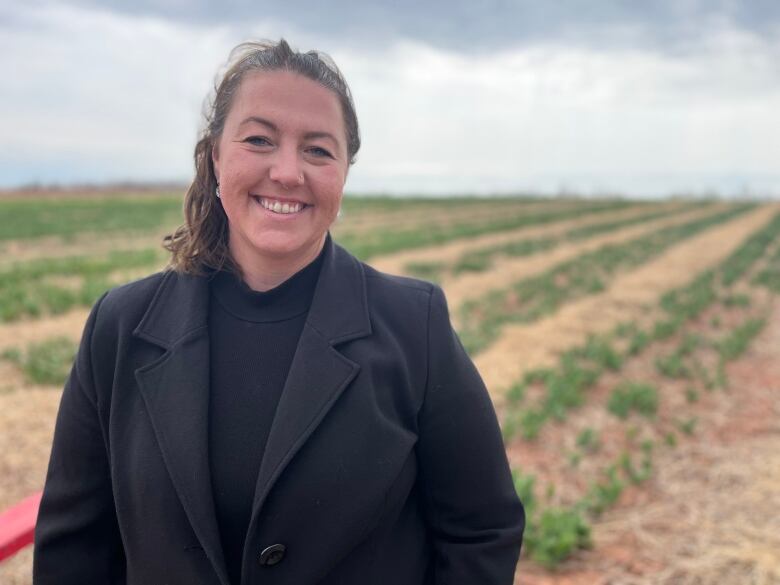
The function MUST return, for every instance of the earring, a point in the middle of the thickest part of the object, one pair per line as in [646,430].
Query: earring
[219,196]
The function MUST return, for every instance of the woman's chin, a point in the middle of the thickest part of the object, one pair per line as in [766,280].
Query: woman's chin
[280,247]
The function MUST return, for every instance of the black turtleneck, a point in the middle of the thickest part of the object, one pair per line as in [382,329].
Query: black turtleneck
[253,336]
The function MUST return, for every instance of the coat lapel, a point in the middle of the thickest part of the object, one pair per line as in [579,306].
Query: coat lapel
[319,373]
[175,389]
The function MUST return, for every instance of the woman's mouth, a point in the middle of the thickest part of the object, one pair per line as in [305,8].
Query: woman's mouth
[279,206]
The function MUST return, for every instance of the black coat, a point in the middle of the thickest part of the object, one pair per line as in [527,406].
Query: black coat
[384,463]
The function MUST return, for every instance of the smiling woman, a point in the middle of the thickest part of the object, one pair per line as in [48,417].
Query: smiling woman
[270,409]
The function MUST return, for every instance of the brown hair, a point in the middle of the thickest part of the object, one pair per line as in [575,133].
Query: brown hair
[201,243]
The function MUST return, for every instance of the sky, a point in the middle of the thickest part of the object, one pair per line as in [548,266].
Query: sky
[599,97]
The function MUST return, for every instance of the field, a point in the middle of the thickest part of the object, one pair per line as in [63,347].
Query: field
[630,350]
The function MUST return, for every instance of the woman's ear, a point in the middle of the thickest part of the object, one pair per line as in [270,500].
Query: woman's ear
[215,160]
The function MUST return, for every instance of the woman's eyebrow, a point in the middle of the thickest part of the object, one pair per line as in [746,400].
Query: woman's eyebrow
[258,120]
[313,135]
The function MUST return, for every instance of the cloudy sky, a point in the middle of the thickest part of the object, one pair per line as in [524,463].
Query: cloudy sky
[589,96]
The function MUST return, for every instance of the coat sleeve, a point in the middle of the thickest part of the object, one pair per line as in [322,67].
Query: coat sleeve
[475,517]
[77,538]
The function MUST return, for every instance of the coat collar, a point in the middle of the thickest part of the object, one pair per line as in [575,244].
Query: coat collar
[180,306]
[175,387]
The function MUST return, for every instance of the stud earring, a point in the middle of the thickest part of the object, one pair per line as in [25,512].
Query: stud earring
[219,196]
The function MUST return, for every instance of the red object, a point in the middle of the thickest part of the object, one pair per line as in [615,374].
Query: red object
[17,525]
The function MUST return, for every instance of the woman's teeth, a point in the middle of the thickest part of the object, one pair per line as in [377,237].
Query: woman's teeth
[279,207]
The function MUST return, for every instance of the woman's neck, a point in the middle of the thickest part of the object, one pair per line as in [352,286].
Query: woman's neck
[262,273]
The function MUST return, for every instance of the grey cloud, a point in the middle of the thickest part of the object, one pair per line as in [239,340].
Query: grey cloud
[473,27]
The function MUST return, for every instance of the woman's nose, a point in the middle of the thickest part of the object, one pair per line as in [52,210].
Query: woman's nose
[286,169]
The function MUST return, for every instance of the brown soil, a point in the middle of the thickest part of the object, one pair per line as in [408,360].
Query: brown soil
[630,297]
[19,334]
[708,515]
[88,244]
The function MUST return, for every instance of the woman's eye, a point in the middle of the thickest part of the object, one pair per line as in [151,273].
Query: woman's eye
[257,140]
[319,151]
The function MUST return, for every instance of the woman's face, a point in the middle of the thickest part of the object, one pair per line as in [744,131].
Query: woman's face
[281,164]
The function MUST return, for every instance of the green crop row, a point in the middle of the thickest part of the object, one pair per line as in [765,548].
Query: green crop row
[481,260]
[66,217]
[390,239]
[769,275]
[35,288]
[753,248]
[534,297]
[47,362]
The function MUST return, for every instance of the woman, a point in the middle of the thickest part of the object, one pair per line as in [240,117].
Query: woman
[270,409]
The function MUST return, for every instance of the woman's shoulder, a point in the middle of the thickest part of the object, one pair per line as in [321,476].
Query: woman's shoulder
[397,283]
[121,309]
[134,294]
[402,292]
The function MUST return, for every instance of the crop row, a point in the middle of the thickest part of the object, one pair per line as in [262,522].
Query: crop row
[391,239]
[54,285]
[483,259]
[534,297]
[33,218]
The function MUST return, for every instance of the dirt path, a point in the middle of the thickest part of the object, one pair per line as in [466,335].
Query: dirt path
[452,251]
[708,515]
[21,333]
[522,347]
[90,244]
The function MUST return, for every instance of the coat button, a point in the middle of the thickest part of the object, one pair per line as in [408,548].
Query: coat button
[272,555]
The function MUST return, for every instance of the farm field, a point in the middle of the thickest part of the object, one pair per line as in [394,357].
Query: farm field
[630,349]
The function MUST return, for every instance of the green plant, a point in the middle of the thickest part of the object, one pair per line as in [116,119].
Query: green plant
[736,300]
[524,486]
[426,270]
[629,396]
[687,426]
[672,366]
[670,439]
[531,422]
[603,494]
[588,440]
[639,340]
[556,535]
[691,394]
[47,362]
[516,393]
[645,468]
[735,343]
[510,427]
